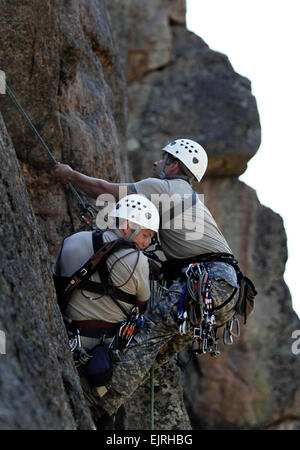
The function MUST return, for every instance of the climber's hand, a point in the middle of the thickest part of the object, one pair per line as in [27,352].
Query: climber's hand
[63,172]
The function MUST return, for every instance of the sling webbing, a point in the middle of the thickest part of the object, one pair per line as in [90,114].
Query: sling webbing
[87,270]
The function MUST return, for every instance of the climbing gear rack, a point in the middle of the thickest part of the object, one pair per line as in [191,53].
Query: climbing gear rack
[196,312]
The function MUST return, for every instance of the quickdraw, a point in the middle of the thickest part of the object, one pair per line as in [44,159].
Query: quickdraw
[125,334]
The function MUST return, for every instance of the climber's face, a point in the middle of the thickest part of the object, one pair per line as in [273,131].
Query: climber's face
[171,167]
[143,238]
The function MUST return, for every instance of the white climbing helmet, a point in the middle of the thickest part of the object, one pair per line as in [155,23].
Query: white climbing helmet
[138,210]
[191,154]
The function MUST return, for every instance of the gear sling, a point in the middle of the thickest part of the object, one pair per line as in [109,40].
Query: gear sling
[97,364]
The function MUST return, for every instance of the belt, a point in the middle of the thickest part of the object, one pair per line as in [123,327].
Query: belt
[94,328]
[171,269]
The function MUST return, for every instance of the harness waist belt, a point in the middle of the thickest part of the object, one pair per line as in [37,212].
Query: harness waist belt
[172,268]
[94,328]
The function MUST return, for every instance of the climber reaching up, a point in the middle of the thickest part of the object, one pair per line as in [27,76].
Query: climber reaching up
[206,288]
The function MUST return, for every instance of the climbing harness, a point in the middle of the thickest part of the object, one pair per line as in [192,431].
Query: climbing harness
[88,212]
[123,332]
[80,279]
[96,364]
[196,312]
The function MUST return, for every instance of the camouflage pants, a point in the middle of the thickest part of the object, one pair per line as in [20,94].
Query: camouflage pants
[158,341]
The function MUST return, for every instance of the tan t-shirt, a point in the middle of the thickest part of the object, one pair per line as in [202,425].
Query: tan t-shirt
[85,305]
[190,234]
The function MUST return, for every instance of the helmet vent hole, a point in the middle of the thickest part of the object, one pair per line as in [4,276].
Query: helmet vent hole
[195,160]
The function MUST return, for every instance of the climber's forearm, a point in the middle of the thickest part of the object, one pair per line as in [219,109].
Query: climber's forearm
[93,187]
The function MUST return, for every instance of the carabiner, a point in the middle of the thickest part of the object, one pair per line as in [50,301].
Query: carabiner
[188,270]
[235,321]
[227,334]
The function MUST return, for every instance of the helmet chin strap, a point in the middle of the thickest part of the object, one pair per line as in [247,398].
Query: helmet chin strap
[134,233]
[118,233]
[162,174]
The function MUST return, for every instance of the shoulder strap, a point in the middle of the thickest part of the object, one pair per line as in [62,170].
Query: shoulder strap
[97,262]
[97,237]
[86,270]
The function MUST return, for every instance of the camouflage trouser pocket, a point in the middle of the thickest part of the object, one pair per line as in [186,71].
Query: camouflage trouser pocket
[221,291]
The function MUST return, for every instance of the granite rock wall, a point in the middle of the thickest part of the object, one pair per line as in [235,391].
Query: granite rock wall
[39,385]
[101,80]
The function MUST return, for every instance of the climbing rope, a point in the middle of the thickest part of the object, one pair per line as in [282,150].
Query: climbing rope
[152,298]
[85,208]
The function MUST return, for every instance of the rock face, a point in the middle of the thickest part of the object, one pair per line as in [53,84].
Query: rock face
[75,67]
[39,385]
[61,61]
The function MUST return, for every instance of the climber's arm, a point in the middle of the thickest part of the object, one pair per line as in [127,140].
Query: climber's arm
[93,187]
